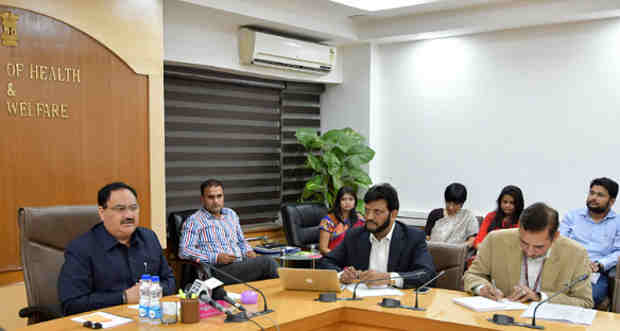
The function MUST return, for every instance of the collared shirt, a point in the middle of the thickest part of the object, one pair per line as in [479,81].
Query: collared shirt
[534,268]
[380,254]
[601,239]
[204,236]
[98,269]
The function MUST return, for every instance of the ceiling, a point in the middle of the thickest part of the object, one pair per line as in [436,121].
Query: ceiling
[337,24]
[423,6]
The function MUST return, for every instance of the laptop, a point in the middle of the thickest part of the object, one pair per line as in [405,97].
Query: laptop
[309,279]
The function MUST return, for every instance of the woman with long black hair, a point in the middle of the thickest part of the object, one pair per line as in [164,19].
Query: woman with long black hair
[509,207]
[342,217]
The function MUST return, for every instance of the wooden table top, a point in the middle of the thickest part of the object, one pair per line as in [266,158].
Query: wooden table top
[297,310]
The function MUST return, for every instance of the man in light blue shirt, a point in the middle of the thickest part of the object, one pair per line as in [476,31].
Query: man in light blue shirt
[597,228]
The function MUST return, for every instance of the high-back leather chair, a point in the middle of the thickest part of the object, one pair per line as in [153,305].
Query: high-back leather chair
[174,228]
[301,222]
[45,232]
[451,258]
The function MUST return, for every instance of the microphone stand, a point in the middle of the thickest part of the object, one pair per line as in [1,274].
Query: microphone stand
[566,288]
[265,309]
[417,290]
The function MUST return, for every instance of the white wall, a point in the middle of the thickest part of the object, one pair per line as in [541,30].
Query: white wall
[535,107]
[207,37]
[348,104]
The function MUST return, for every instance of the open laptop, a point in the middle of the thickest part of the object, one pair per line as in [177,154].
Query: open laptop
[309,279]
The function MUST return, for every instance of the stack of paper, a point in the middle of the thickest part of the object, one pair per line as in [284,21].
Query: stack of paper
[106,320]
[561,313]
[365,291]
[483,304]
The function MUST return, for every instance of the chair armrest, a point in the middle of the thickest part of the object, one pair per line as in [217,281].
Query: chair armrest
[44,313]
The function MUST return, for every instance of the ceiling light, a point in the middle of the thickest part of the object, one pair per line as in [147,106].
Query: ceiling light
[375,5]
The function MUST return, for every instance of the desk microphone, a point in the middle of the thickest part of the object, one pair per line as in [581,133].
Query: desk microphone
[405,275]
[230,317]
[220,294]
[208,267]
[417,290]
[566,288]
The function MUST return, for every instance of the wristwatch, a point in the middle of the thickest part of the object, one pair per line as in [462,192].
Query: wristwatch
[124,297]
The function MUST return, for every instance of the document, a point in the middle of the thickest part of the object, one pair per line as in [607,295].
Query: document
[365,291]
[482,304]
[106,320]
[561,313]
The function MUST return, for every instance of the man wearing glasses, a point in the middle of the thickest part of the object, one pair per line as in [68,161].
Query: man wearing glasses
[102,267]
[383,248]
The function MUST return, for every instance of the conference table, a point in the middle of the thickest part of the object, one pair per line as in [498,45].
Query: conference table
[298,311]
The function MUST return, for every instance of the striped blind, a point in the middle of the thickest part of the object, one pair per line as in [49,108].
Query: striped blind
[301,107]
[223,126]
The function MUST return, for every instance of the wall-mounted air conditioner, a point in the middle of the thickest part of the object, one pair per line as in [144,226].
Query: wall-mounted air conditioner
[274,51]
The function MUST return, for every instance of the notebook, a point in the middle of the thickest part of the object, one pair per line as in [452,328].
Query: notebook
[309,279]
[479,303]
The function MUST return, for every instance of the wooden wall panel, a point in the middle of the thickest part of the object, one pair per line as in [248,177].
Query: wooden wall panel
[59,161]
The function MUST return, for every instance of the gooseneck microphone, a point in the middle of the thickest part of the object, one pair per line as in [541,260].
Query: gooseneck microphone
[220,294]
[417,290]
[565,289]
[405,275]
[265,310]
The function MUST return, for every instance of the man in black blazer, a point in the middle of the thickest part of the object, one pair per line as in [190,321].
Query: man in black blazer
[383,248]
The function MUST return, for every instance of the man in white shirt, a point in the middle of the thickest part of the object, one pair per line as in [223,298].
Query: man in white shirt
[531,263]
[383,248]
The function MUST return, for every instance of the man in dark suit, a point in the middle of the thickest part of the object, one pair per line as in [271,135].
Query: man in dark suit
[383,248]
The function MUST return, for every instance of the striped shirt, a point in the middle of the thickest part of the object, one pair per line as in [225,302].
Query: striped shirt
[204,236]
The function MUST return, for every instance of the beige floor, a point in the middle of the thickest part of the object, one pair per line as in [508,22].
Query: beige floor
[14,298]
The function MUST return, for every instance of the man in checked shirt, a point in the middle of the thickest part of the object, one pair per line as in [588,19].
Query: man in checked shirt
[213,235]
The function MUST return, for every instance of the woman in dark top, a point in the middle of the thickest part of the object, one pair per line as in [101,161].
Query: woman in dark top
[509,207]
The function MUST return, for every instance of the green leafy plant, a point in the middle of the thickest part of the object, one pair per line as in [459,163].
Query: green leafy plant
[336,158]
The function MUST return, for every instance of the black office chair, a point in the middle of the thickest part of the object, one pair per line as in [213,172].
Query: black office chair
[301,222]
[174,227]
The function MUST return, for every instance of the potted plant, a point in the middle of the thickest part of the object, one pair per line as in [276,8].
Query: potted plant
[336,158]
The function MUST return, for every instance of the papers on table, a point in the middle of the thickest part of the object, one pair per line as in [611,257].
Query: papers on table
[106,320]
[365,291]
[561,313]
[479,303]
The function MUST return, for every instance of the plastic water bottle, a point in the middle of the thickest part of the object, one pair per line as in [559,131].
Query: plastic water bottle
[154,306]
[145,298]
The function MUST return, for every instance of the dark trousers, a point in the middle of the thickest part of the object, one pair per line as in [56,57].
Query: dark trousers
[601,288]
[250,269]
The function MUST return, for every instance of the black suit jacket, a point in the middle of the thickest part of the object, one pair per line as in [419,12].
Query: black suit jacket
[408,252]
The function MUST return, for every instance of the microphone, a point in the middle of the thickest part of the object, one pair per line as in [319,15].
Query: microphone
[265,310]
[417,290]
[405,275]
[565,289]
[220,294]
[198,287]
[230,317]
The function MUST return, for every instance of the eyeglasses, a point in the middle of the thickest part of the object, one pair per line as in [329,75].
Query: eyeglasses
[122,209]
[376,212]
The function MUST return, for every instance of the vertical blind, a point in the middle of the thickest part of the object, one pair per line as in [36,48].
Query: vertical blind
[231,127]
[301,108]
